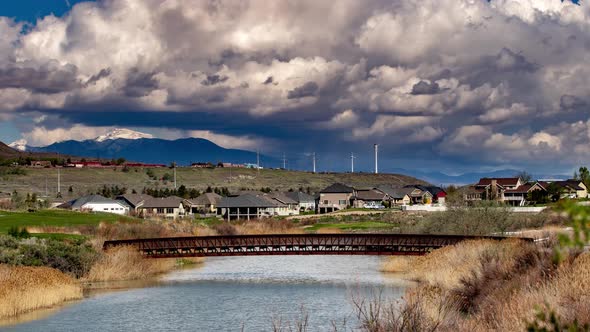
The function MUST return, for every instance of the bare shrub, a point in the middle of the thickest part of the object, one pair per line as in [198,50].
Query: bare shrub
[126,263]
[407,314]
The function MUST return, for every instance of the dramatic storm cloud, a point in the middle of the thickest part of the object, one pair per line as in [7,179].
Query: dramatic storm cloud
[437,83]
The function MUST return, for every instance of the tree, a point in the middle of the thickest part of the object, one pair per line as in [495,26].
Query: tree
[182,192]
[584,175]
[524,176]
[554,192]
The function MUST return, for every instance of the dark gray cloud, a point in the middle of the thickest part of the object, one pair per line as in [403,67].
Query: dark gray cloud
[40,80]
[425,88]
[269,80]
[507,60]
[308,89]
[569,102]
[100,75]
[214,79]
[140,83]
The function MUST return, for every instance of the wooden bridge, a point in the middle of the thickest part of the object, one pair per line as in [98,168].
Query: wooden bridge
[295,244]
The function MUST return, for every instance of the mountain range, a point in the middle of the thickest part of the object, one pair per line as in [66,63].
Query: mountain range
[142,147]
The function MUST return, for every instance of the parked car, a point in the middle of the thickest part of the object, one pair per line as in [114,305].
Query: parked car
[373,206]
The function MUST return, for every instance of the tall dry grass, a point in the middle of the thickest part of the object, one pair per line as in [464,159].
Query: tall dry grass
[126,263]
[491,285]
[23,289]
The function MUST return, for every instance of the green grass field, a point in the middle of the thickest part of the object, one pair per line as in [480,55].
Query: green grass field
[55,218]
[352,226]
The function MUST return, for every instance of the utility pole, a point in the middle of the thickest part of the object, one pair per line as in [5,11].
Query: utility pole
[258,161]
[376,146]
[284,161]
[175,175]
[313,155]
[352,162]
[46,187]
[58,177]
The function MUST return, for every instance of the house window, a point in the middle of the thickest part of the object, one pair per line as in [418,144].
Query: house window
[326,201]
[342,202]
[160,210]
[169,210]
[106,209]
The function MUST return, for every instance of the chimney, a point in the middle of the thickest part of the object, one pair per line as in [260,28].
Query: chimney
[494,189]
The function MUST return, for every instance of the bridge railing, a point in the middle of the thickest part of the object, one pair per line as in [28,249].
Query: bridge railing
[291,244]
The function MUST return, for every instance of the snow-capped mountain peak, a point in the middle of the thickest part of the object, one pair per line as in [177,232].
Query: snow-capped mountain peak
[20,145]
[122,133]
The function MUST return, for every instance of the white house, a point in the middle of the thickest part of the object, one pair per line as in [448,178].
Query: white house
[96,203]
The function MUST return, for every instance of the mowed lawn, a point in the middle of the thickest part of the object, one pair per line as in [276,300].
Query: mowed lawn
[57,218]
[352,226]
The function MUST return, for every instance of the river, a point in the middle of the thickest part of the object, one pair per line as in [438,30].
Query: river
[233,294]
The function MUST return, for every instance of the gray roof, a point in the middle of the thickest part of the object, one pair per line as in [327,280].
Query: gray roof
[281,197]
[206,199]
[162,202]
[396,193]
[337,188]
[300,197]
[370,195]
[134,199]
[78,203]
[247,200]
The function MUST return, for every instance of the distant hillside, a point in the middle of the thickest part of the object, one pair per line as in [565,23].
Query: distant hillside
[439,178]
[87,180]
[7,152]
[153,150]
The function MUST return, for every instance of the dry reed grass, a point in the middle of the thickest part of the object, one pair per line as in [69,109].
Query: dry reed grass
[126,263]
[23,289]
[490,285]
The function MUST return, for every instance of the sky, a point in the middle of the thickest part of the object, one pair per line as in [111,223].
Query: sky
[446,85]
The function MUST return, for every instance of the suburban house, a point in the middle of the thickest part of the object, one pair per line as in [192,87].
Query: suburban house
[172,207]
[305,202]
[371,197]
[335,197]
[512,191]
[249,206]
[492,189]
[419,196]
[438,194]
[41,163]
[533,191]
[396,196]
[206,203]
[292,206]
[571,188]
[134,201]
[96,203]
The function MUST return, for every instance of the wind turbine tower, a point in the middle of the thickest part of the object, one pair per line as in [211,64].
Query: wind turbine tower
[313,156]
[376,147]
[352,162]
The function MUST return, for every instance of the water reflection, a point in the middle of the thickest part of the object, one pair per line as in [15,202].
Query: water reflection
[231,293]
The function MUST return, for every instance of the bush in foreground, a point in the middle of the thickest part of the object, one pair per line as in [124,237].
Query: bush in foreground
[71,257]
[489,285]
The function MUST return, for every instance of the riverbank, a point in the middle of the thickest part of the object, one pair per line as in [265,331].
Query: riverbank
[490,285]
[23,289]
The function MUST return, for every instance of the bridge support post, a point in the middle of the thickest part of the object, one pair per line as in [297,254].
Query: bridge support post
[248,211]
